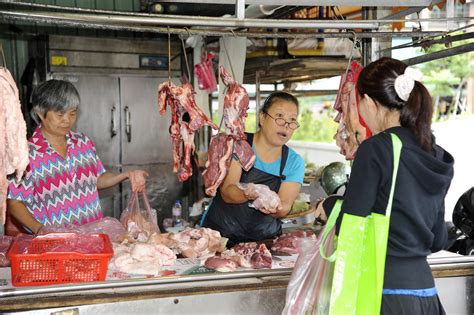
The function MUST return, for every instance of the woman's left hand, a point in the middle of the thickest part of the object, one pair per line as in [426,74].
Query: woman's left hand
[138,180]
[271,211]
[319,211]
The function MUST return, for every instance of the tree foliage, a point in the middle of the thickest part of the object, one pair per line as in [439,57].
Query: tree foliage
[442,76]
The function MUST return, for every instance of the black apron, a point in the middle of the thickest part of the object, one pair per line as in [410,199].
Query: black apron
[239,222]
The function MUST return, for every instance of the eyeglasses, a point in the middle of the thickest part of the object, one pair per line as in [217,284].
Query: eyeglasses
[281,122]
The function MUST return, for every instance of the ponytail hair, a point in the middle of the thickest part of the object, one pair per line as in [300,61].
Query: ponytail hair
[416,115]
[377,80]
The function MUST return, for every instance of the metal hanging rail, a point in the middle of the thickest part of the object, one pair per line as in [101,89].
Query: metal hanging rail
[192,21]
[9,16]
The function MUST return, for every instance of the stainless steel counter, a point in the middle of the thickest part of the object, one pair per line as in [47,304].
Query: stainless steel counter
[249,292]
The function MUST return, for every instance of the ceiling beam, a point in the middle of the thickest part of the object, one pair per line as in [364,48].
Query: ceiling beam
[365,3]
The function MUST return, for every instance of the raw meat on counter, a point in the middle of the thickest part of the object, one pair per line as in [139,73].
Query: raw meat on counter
[141,258]
[288,243]
[233,140]
[180,99]
[192,243]
[221,264]
[13,142]
[246,255]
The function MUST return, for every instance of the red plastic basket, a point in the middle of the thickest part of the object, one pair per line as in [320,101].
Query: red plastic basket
[39,267]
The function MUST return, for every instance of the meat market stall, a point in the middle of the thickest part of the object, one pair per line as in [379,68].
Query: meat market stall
[119,81]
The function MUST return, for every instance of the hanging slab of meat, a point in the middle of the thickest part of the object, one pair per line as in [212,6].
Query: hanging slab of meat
[221,147]
[184,96]
[351,131]
[13,141]
[180,99]
[244,153]
[165,100]
[236,104]
[288,243]
[188,140]
[218,162]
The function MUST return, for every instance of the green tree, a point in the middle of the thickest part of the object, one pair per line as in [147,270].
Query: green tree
[442,76]
[321,128]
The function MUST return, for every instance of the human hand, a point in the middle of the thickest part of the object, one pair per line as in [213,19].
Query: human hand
[138,180]
[46,229]
[250,192]
[271,210]
[319,211]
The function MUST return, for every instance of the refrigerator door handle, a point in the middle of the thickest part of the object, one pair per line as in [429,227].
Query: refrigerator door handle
[128,123]
[113,126]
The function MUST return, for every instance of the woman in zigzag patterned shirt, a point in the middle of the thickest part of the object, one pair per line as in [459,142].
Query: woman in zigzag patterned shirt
[64,175]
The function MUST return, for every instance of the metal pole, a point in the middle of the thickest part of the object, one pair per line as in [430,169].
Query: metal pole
[366,42]
[440,54]
[257,98]
[168,20]
[15,17]
[240,9]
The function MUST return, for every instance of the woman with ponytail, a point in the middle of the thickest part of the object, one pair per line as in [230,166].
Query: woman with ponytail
[393,100]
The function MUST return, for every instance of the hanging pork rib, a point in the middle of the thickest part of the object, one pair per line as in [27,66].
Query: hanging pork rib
[13,142]
[222,145]
[180,100]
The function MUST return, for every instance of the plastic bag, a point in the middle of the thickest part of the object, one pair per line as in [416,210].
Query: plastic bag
[266,198]
[68,242]
[108,225]
[140,223]
[205,73]
[309,289]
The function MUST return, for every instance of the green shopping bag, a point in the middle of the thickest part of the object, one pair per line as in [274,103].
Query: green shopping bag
[360,255]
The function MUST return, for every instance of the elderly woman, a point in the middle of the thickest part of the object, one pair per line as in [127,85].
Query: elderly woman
[277,166]
[64,174]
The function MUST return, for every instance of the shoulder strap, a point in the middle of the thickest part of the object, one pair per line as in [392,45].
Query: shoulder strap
[284,158]
[397,148]
[249,138]
[330,225]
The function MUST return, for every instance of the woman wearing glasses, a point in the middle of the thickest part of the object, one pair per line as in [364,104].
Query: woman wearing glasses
[277,166]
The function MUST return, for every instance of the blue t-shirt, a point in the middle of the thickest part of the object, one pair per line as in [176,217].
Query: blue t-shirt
[294,167]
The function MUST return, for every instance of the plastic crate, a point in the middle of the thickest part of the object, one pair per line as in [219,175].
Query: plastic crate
[39,267]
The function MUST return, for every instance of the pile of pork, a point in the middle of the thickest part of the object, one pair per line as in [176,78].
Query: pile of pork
[289,243]
[246,255]
[13,141]
[147,258]
[231,142]
[180,100]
